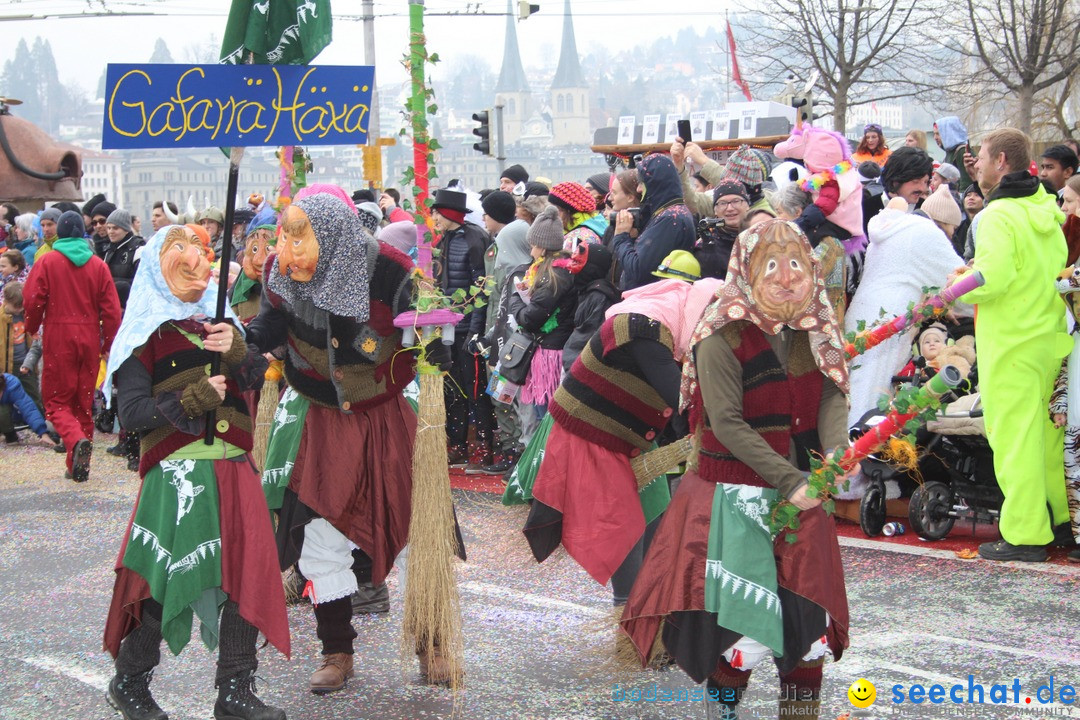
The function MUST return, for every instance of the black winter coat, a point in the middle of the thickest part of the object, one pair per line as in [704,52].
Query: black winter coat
[461,265]
[120,257]
[596,293]
[548,298]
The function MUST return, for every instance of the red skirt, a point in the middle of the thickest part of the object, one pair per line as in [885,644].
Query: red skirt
[671,586]
[356,472]
[596,493]
[249,565]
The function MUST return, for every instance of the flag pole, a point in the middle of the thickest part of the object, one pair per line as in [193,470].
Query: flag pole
[235,155]
[727,85]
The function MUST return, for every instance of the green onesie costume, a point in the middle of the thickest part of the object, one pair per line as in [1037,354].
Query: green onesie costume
[1020,336]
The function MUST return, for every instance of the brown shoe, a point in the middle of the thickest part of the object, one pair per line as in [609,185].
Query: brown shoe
[336,668]
[434,667]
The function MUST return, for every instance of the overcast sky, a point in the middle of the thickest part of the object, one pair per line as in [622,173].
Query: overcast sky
[83,46]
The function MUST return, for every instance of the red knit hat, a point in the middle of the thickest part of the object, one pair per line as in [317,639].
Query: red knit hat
[572,196]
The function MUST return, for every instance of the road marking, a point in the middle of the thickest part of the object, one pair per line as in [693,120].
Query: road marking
[866,544]
[69,669]
[497,591]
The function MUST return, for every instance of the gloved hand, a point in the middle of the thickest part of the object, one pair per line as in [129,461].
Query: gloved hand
[438,354]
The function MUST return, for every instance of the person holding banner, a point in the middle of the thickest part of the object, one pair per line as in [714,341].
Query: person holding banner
[199,543]
[339,459]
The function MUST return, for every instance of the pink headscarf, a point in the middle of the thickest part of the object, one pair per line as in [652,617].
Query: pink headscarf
[675,304]
[329,189]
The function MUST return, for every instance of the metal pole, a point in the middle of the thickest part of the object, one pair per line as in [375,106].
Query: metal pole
[500,155]
[369,59]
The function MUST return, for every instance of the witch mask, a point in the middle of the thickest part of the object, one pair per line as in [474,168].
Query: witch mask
[259,242]
[185,264]
[298,253]
[781,274]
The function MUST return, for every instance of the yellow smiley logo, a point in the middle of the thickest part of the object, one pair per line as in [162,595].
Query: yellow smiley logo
[862,693]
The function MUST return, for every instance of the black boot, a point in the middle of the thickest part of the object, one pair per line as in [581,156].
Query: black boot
[130,695]
[237,700]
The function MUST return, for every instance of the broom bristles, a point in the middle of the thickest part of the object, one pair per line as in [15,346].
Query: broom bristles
[264,418]
[649,465]
[432,606]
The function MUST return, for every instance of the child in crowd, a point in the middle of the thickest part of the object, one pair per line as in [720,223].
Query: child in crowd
[15,349]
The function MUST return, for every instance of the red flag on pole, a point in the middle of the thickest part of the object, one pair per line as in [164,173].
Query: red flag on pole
[736,76]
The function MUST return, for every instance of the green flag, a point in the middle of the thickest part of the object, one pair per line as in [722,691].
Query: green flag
[276,32]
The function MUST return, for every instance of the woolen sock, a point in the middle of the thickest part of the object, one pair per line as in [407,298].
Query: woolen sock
[236,644]
[334,626]
[729,683]
[141,649]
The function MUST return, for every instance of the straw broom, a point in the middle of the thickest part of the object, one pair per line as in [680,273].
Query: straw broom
[264,414]
[432,621]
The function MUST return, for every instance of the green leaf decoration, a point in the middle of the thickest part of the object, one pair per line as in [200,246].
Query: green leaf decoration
[829,506]
[791,539]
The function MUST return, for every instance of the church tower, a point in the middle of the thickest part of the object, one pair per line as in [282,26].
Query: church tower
[569,97]
[512,89]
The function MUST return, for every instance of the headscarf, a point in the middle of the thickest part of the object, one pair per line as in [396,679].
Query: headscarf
[325,189]
[735,302]
[151,304]
[341,284]
[675,304]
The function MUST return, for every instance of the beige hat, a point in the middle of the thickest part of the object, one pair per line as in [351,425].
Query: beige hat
[942,207]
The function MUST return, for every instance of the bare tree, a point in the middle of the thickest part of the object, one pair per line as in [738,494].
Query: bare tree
[1057,111]
[1027,46]
[864,50]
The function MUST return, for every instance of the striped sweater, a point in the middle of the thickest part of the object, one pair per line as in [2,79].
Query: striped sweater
[781,406]
[613,404]
[174,362]
[340,363]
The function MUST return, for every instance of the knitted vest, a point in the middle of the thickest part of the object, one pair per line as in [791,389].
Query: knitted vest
[615,407]
[337,362]
[780,406]
[247,308]
[174,362]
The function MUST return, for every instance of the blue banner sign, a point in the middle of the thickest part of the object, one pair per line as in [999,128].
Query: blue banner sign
[177,106]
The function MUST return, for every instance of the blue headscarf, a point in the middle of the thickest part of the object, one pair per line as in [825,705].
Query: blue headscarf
[151,304]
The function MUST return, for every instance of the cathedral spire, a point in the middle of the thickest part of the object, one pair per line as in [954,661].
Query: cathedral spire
[512,76]
[568,74]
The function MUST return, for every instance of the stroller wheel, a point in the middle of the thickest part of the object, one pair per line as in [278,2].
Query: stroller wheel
[929,510]
[872,508]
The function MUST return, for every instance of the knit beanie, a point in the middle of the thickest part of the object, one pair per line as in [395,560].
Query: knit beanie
[516,174]
[403,235]
[51,214]
[941,206]
[601,182]
[535,204]
[70,225]
[533,189]
[949,172]
[103,208]
[120,218]
[746,166]
[730,187]
[500,207]
[869,170]
[370,215]
[572,196]
[90,204]
[546,231]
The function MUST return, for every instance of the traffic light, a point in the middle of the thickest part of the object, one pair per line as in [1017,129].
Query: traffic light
[525,9]
[483,131]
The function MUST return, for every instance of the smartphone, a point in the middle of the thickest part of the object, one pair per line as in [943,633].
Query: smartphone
[684,131]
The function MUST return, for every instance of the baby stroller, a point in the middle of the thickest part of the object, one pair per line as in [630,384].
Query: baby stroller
[956,466]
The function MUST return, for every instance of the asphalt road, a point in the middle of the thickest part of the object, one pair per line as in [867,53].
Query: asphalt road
[537,636]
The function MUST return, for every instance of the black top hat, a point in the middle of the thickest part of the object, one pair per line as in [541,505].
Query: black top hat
[451,200]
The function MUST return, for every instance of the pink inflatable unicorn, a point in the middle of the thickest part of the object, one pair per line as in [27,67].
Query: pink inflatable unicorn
[827,157]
